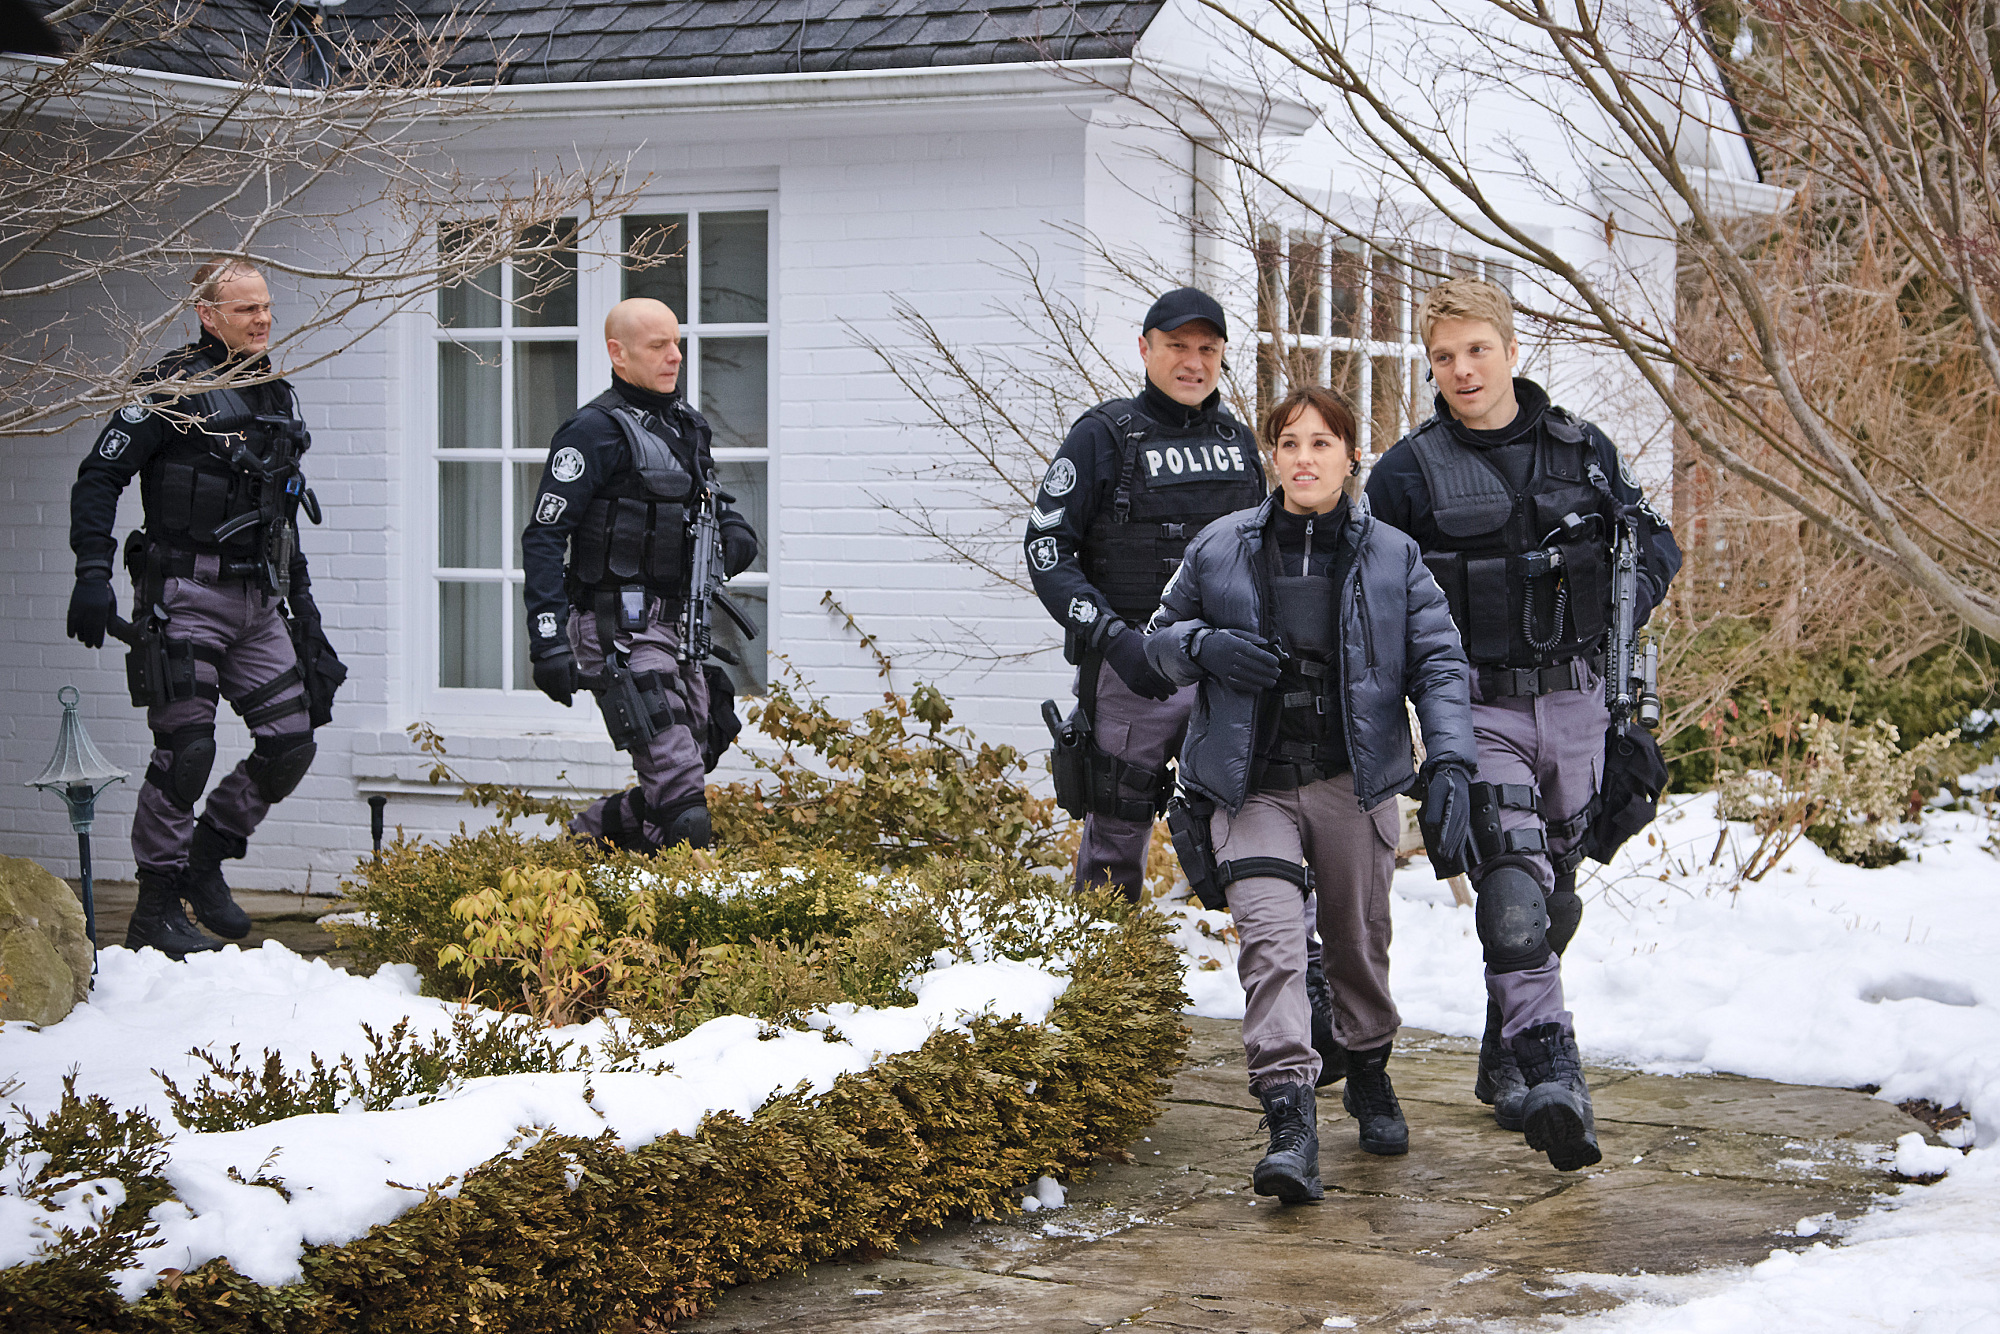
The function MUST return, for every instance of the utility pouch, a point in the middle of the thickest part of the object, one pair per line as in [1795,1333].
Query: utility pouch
[1635,775]
[632,608]
[1194,844]
[320,668]
[723,724]
[1069,761]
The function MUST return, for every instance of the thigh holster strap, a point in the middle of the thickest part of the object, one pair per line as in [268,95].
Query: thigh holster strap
[262,705]
[1245,868]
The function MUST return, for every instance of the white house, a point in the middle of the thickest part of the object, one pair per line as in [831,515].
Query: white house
[819,159]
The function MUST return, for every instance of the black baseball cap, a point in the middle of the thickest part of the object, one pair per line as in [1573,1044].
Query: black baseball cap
[1183,305]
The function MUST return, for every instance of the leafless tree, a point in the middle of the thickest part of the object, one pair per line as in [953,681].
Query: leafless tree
[320,154]
[1830,344]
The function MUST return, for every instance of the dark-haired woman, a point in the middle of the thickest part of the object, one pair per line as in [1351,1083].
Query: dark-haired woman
[1307,624]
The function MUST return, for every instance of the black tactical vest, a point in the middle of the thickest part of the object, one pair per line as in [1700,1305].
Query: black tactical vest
[1171,485]
[1514,605]
[191,488]
[635,529]
[1303,610]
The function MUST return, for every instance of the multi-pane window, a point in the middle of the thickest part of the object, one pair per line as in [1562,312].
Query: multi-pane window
[712,268]
[506,379]
[1336,312]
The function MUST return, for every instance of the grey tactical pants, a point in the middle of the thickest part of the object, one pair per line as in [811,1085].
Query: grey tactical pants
[1555,744]
[669,766]
[1352,853]
[243,624]
[1138,731]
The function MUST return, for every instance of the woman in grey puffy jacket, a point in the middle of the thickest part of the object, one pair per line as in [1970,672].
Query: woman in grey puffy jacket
[1307,624]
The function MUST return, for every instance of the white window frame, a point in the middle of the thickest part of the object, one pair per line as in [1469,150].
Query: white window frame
[522,708]
[1406,346]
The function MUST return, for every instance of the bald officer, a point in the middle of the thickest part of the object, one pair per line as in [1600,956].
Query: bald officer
[622,480]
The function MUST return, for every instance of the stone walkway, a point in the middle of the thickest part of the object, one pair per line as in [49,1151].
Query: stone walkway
[1469,1228]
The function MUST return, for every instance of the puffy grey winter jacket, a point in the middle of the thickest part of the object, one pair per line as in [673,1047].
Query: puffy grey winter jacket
[1396,638]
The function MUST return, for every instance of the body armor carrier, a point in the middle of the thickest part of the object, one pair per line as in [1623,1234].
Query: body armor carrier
[1527,571]
[1171,485]
[1310,739]
[635,529]
[231,486]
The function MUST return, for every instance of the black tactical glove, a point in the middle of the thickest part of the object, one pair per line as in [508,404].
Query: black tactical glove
[555,674]
[1125,651]
[1236,659]
[91,607]
[1446,815]
[739,548]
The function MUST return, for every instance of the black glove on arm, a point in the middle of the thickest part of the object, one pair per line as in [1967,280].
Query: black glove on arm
[1446,815]
[1125,650]
[91,607]
[739,548]
[555,673]
[1236,659]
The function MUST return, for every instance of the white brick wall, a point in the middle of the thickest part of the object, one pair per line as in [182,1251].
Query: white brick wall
[895,200]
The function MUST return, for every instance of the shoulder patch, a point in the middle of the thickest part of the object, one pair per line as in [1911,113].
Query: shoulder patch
[550,507]
[1045,519]
[133,412]
[113,444]
[567,465]
[1061,478]
[1042,553]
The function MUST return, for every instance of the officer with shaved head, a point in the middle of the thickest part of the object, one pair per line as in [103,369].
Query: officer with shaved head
[606,558]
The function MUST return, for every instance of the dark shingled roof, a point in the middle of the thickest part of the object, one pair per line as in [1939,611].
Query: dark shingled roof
[572,41]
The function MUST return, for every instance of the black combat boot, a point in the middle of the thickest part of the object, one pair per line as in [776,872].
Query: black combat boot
[1499,1084]
[204,888]
[1332,1056]
[1290,1169]
[158,921]
[1371,1101]
[1556,1113]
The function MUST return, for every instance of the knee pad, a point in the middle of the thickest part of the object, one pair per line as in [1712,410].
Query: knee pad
[191,756]
[1565,911]
[277,764]
[690,826]
[1512,920]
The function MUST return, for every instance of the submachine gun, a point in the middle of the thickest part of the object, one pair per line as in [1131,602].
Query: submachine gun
[705,576]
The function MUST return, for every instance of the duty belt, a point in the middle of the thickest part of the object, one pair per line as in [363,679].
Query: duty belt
[1530,682]
[170,562]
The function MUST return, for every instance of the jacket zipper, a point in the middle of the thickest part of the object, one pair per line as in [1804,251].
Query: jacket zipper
[1305,561]
[1361,611]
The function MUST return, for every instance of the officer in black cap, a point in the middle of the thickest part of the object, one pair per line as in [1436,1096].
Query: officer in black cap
[1135,479]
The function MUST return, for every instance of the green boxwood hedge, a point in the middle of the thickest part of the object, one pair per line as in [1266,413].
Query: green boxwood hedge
[653,1235]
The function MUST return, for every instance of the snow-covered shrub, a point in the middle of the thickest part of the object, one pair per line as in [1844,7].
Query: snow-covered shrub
[565,1232]
[400,1068]
[1848,788]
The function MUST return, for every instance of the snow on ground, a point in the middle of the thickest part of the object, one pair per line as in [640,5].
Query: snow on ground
[349,1171]
[1820,973]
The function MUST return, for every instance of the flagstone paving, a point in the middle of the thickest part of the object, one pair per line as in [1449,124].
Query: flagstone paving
[1468,1229]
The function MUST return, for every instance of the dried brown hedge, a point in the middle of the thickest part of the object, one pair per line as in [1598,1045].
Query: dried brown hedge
[654,1235]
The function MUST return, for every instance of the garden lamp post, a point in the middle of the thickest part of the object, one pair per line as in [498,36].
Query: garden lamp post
[77,773]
